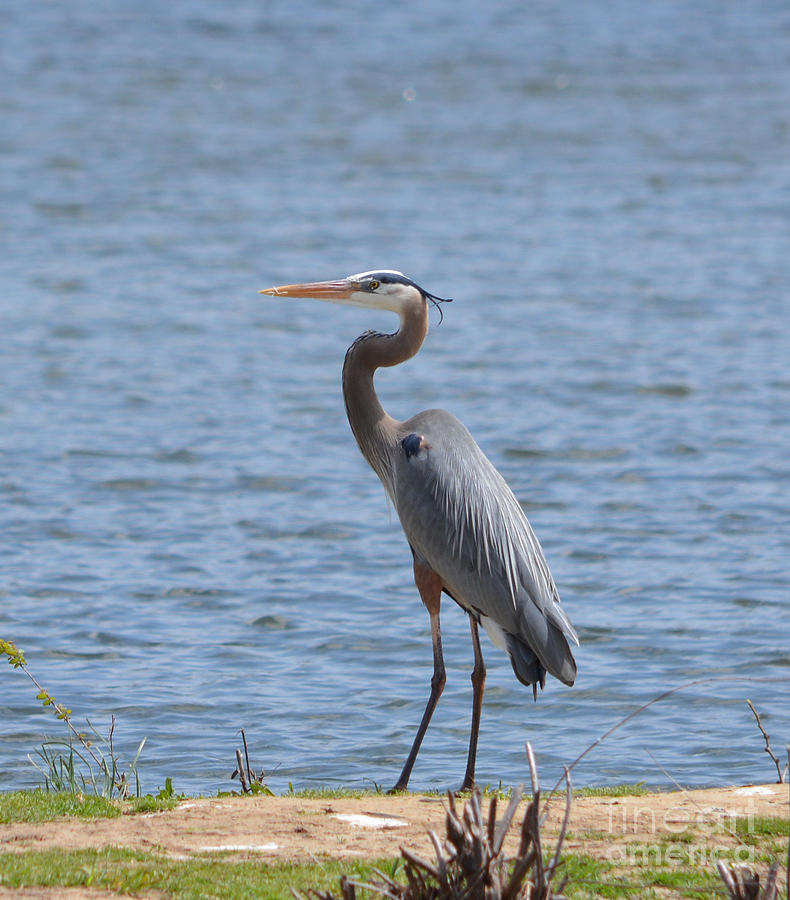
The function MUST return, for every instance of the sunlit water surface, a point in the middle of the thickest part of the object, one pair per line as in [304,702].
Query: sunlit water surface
[190,538]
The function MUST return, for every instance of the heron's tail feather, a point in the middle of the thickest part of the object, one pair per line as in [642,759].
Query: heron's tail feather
[526,665]
[556,659]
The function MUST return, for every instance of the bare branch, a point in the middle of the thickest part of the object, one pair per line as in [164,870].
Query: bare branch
[768,749]
[241,773]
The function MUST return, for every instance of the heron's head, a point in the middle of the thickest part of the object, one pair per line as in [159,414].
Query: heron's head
[384,289]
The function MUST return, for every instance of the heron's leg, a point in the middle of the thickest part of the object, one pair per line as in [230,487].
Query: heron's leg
[430,587]
[478,686]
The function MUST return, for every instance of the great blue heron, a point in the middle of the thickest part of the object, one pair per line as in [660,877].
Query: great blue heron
[468,534]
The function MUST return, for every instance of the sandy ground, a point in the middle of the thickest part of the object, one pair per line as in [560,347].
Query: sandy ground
[289,828]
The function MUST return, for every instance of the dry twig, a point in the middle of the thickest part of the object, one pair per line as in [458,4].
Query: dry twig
[768,749]
[251,782]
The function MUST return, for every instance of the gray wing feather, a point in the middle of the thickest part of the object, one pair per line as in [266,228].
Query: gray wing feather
[461,517]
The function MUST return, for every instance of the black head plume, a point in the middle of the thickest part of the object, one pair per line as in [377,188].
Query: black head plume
[436,301]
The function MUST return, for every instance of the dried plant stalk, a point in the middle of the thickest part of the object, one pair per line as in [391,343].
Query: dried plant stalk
[744,884]
[767,748]
[472,862]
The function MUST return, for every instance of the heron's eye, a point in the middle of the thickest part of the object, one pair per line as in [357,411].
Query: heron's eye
[373,285]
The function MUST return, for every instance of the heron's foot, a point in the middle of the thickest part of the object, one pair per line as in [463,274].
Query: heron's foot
[467,786]
[400,788]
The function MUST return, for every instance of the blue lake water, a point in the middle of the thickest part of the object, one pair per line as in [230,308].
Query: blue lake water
[189,538]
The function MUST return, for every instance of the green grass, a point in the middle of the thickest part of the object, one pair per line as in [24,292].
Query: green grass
[766,835]
[762,826]
[327,793]
[127,871]
[592,878]
[682,837]
[617,790]
[590,834]
[42,806]
[149,803]
[701,883]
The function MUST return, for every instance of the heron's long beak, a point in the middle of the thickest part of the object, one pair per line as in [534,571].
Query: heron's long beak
[318,290]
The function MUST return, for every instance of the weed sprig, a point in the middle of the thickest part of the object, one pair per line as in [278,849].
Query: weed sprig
[82,765]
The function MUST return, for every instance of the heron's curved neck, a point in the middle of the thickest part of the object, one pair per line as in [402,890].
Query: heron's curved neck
[374,429]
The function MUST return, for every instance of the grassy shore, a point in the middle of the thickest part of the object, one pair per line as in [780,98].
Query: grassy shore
[605,856]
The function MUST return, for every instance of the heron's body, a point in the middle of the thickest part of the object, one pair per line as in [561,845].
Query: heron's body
[468,533]
[488,558]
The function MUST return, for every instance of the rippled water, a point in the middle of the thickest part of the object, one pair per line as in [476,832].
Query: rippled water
[190,539]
